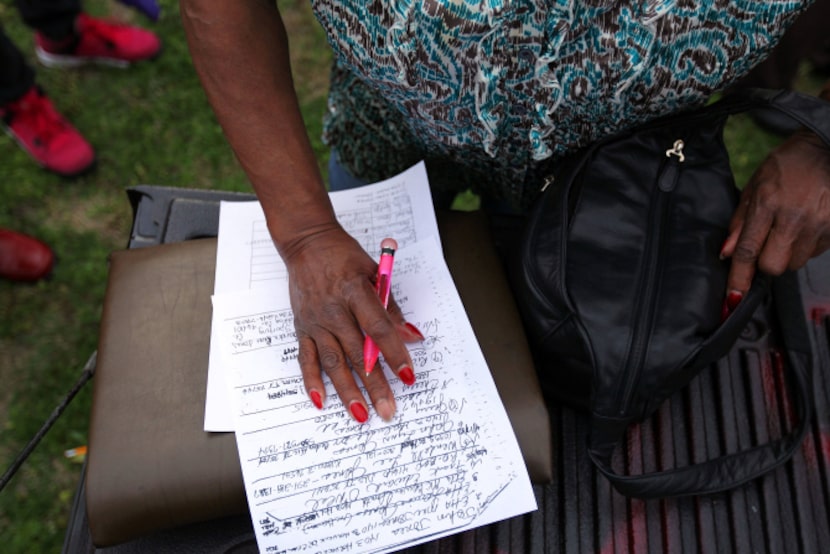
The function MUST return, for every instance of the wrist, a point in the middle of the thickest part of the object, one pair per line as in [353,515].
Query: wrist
[296,207]
[293,224]
[290,242]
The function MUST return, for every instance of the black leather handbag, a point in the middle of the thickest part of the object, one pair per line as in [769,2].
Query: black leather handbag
[621,287]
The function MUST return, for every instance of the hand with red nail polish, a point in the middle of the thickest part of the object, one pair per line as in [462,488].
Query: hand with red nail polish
[333,295]
[331,278]
[783,218]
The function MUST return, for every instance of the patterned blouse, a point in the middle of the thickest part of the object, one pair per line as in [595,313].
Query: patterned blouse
[491,92]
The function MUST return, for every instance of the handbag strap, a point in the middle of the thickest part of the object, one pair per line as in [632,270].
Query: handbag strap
[735,469]
[810,111]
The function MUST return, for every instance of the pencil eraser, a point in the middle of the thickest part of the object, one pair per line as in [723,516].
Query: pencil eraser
[389,243]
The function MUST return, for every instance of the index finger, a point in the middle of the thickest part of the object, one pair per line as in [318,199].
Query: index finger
[748,248]
[378,324]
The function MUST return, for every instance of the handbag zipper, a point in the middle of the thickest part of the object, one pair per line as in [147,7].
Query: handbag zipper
[665,184]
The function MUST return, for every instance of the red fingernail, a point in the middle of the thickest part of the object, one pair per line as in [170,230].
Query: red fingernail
[414,330]
[407,376]
[359,412]
[724,311]
[316,399]
[733,299]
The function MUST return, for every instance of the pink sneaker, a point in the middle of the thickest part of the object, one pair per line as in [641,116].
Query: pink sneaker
[98,41]
[42,132]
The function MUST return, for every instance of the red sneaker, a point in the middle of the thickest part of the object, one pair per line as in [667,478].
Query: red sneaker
[42,132]
[23,258]
[98,41]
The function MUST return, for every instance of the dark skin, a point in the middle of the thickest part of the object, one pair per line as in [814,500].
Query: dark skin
[783,218]
[240,52]
[331,285]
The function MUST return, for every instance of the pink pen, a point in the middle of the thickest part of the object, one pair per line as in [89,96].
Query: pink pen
[384,284]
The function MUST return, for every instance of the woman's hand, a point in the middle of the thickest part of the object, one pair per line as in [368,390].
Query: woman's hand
[331,281]
[784,216]
[330,276]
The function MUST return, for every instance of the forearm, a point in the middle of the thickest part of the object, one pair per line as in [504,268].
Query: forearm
[240,52]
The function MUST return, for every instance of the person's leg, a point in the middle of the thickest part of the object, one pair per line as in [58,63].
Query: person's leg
[65,36]
[55,19]
[16,76]
[45,134]
[30,118]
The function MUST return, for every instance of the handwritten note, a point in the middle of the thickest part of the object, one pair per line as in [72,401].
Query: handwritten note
[317,481]
[399,207]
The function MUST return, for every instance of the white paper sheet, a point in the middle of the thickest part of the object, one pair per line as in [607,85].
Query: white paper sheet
[319,482]
[400,207]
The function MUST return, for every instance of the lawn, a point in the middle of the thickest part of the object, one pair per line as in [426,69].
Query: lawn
[150,124]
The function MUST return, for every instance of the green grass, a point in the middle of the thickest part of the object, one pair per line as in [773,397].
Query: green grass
[150,124]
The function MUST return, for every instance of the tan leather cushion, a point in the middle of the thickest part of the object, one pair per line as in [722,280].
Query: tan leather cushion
[485,293]
[150,464]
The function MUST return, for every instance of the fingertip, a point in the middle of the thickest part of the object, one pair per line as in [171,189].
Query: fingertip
[316,398]
[358,411]
[733,298]
[385,408]
[406,375]
[730,303]
[728,246]
[740,277]
[410,333]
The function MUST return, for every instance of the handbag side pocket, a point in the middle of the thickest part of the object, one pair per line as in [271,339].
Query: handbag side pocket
[561,357]
[567,377]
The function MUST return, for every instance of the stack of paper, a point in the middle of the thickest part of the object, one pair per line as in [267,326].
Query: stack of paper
[316,480]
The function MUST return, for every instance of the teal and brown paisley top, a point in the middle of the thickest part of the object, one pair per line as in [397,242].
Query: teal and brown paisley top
[491,92]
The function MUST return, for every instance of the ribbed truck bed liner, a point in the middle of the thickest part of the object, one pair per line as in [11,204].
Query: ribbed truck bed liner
[739,402]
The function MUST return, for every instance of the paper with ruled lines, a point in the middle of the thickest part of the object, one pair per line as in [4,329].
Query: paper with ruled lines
[317,481]
[400,207]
